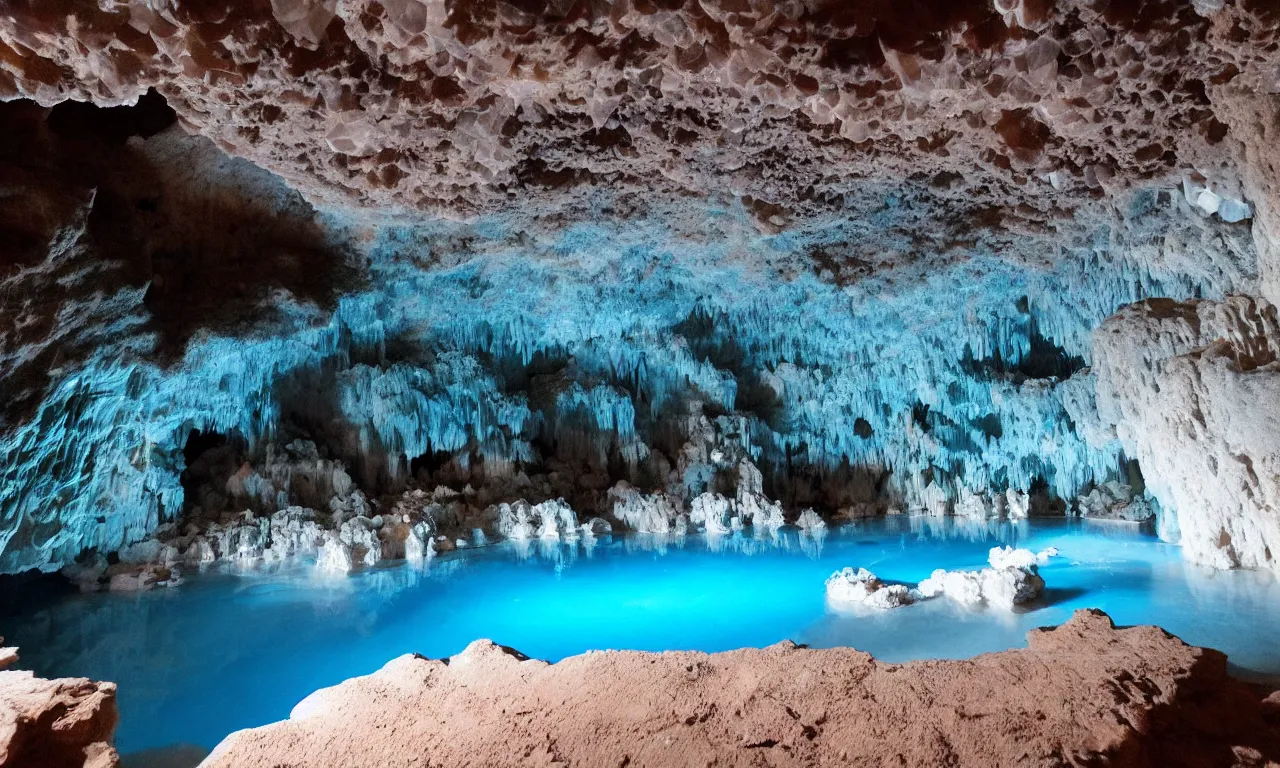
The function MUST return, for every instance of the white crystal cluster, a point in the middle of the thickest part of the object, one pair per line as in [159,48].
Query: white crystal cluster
[1012,580]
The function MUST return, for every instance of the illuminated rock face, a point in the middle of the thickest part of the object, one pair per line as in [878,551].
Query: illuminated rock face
[1192,389]
[559,246]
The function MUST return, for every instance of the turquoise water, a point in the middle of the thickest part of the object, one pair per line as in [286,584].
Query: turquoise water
[230,651]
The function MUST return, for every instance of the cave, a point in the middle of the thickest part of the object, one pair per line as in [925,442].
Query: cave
[639,382]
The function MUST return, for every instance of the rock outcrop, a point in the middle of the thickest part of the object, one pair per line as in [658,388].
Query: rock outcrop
[1192,390]
[65,723]
[1083,693]
[854,589]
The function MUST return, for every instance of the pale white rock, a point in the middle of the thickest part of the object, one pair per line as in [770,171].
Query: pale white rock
[1204,196]
[334,556]
[417,545]
[934,500]
[1114,500]
[596,527]
[711,511]
[1192,391]
[750,479]
[759,511]
[810,521]
[1012,579]
[1024,559]
[1017,504]
[975,506]
[643,512]
[997,587]
[516,521]
[681,525]
[1008,587]
[360,536]
[849,587]
[962,586]
[1233,211]
[555,519]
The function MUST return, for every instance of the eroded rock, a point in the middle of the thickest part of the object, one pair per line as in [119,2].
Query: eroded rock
[65,723]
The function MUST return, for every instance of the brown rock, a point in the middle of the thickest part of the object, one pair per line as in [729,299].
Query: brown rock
[66,723]
[466,107]
[1082,694]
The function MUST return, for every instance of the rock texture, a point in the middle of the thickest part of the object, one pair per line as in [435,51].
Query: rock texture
[64,723]
[1081,694]
[1192,390]
[461,107]
[546,249]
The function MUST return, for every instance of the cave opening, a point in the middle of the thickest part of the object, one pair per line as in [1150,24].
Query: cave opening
[82,120]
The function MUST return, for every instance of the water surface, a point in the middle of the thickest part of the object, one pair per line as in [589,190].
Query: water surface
[229,651]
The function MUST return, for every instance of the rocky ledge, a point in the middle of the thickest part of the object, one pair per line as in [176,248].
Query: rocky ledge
[1085,693]
[66,723]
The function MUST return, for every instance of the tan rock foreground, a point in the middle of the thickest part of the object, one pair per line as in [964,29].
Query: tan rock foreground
[65,723]
[1081,694]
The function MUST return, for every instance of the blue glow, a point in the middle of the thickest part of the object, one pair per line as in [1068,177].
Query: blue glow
[225,652]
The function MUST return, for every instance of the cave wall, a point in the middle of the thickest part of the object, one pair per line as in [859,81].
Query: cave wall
[504,344]
[1190,389]
[883,242]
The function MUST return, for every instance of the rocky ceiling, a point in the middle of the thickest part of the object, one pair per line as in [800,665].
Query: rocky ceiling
[1006,112]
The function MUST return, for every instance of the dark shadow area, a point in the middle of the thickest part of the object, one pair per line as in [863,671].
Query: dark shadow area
[1209,719]
[176,756]
[1044,360]
[18,592]
[81,121]
[88,218]
[1053,596]
[708,341]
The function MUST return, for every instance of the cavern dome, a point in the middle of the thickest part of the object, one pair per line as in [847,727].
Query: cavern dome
[639,383]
